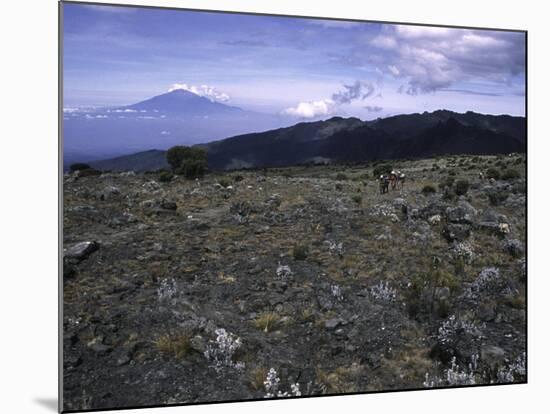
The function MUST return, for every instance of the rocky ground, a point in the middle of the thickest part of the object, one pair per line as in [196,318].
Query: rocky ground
[191,291]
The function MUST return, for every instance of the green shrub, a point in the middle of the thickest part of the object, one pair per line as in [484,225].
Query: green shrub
[447,182]
[381,169]
[422,294]
[188,161]
[192,168]
[224,182]
[510,174]
[496,198]
[493,173]
[357,198]
[300,252]
[165,176]
[238,178]
[428,189]
[449,195]
[79,166]
[341,176]
[88,172]
[462,187]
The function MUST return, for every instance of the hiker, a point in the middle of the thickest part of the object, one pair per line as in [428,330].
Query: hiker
[400,179]
[384,183]
[481,176]
[393,179]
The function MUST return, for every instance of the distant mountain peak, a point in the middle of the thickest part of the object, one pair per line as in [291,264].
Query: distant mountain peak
[184,102]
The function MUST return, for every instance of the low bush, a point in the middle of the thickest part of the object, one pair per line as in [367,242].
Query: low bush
[165,176]
[191,162]
[300,252]
[493,173]
[267,321]
[462,187]
[224,182]
[510,174]
[79,166]
[428,189]
[381,169]
[177,345]
[496,198]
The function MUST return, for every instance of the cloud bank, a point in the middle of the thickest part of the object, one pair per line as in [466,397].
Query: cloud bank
[428,59]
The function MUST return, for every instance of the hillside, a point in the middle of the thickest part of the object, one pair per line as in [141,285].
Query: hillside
[351,140]
[308,271]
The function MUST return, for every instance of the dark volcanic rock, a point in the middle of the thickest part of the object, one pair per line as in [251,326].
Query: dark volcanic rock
[80,251]
[456,232]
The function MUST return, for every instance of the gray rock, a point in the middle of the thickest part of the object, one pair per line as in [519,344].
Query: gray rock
[513,247]
[456,232]
[464,213]
[442,293]
[333,323]
[168,205]
[80,251]
[198,343]
[109,192]
[492,355]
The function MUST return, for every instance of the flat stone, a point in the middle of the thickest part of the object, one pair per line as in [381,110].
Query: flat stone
[333,323]
[80,251]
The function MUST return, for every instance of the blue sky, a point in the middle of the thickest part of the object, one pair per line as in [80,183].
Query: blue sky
[303,68]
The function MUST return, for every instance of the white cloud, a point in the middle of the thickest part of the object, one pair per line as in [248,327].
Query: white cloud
[311,109]
[422,32]
[393,70]
[359,90]
[334,24]
[164,132]
[384,42]
[202,90]
[429,59]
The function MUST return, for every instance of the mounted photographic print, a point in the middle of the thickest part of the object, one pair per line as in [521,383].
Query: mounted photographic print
[260,206]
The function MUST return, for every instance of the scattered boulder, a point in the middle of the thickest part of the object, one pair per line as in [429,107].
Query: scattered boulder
[168,205]
[109,192]
[513,247]
[456,232]
[458,215]
[333,323]
[80,251]
[435,219]
[492,355]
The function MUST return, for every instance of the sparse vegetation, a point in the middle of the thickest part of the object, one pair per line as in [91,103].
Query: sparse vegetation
[493,173]
[298,272]
[510,174]
[165,176]
[381,169]
[267,321]
[461,187]
[300,252]
[176,345]
[428,189]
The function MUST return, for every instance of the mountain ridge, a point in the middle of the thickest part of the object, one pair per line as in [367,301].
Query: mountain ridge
[339,139]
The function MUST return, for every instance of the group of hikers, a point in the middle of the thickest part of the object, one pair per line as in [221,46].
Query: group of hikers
[395,180]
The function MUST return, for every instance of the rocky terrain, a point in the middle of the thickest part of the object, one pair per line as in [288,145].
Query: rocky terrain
[293,281]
